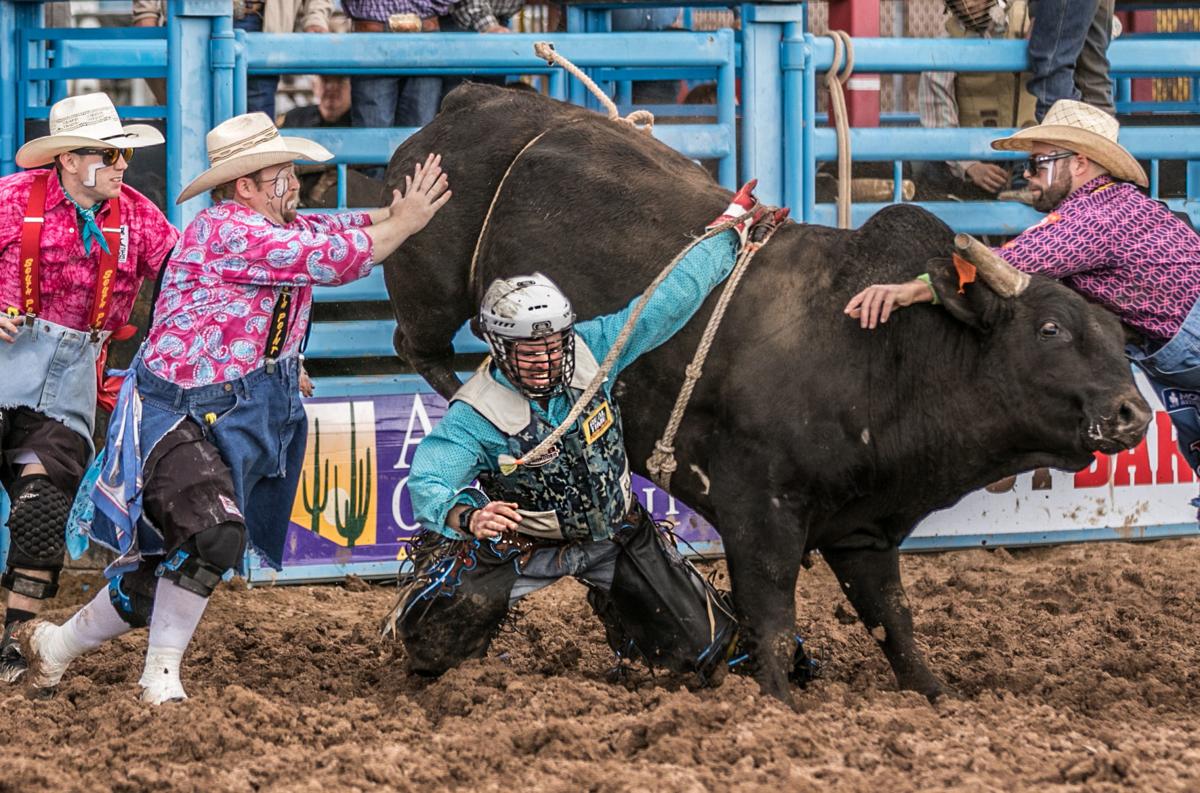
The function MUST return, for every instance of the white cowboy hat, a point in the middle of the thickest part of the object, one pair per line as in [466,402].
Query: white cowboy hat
[81,122]
[245,144]
[1084,130]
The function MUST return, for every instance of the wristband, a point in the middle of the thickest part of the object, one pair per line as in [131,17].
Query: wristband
[924,278]
[464,519]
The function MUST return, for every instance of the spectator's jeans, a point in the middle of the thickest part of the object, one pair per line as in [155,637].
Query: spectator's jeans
[394,101]
[1068,52]
[448,24]
[260,91]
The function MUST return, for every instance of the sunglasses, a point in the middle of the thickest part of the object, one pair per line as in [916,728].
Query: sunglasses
[1039,161]
[107,156]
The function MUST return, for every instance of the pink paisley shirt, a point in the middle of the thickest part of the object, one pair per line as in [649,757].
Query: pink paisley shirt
[221,284]
[67,275]
[1119,248]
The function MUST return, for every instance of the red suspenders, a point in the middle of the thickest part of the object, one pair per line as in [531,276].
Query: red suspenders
[31,256]
[31,297]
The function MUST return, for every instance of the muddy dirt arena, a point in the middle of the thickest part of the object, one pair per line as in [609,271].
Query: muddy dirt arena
[1075,669]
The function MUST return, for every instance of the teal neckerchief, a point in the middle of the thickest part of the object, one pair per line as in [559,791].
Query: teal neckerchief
[89,229]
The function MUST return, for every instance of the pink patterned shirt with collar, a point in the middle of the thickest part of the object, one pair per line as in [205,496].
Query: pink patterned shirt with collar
[1115,246]
[67,275]
[222,282]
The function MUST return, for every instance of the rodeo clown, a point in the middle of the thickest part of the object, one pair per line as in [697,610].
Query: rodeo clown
[206,443]
[571,512]
[75,244]
[1107,241]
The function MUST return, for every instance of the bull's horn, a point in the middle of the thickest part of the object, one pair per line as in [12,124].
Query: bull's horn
[1004,279]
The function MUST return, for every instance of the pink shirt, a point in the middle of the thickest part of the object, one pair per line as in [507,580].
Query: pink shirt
[1120,249]
[221,284]
[67,275]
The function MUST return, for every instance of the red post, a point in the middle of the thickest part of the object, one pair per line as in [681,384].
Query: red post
[1141,89]
[859,18]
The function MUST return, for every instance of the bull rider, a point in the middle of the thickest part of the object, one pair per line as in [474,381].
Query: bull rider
[571,512]
[211,419]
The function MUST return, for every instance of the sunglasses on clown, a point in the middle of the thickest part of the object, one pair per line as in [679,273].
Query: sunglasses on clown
[1039,161]
[107,156]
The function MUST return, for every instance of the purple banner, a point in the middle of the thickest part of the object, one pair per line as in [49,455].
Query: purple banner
[352,505]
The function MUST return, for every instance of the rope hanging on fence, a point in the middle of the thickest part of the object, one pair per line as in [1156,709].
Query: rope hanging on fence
[843,47]
[638,119]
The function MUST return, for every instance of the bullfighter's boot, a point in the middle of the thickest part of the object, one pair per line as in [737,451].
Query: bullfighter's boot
[12,663]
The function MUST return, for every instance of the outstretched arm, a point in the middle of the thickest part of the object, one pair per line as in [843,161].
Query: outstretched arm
[873,305]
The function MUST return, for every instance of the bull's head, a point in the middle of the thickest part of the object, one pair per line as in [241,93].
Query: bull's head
[1056,361]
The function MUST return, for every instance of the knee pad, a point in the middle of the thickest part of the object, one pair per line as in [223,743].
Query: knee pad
[37,524]
[132,595]
[221,545]
[200,564]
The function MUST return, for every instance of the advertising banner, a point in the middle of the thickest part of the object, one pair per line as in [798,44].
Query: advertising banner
[352,510]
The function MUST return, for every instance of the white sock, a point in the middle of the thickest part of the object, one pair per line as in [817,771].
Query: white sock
[177,612]
[94,624]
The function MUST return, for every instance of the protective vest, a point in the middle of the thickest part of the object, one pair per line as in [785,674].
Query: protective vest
[581,488]
[995,99]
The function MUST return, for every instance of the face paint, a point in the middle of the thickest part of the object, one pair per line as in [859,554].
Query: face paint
[90,179]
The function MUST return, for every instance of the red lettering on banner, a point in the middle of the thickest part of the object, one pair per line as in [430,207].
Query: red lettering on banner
[1095,476]
[1172,465]
[1139,458]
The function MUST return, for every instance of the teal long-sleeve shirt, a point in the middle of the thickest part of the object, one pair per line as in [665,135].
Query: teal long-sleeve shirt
[465,444]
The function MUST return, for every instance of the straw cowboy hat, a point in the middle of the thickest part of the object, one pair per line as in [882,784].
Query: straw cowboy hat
[1084,130]
[81,122]
[245,144]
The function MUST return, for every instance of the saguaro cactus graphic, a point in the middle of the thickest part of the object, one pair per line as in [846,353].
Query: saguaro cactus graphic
[359,501]
[320,495]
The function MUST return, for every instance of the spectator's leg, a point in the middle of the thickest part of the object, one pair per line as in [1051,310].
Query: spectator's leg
[260,91]
[1059,29]
[373,102]
[1091,70]
[418,101]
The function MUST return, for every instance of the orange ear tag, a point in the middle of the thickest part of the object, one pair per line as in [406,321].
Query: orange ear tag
[966,271]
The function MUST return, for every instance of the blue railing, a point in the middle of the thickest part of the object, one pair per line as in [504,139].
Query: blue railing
[805,57]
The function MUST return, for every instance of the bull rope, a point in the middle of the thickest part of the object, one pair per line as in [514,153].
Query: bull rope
[642,120]
[842,46]
[662,462]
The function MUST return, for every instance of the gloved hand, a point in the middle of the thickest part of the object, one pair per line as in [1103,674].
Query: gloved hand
[743,201]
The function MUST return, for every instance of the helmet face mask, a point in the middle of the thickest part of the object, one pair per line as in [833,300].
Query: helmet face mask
[527,322]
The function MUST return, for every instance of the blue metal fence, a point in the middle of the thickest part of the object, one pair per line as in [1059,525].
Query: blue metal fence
[805,57]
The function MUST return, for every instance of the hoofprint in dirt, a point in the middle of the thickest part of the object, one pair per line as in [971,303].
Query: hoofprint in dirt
[1075,668]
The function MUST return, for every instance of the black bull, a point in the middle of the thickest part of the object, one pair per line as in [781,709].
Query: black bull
[805,431]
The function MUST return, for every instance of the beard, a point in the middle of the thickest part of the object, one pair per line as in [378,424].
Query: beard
[287,208]
[1055,192]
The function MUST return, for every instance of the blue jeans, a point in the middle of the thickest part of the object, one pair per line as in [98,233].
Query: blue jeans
[1174,372]
[258,424]
[1067,53]
[260,91]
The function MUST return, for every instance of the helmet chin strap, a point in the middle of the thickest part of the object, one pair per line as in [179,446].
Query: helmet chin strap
[90,179]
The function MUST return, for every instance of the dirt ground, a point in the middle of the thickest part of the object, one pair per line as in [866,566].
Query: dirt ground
[1075,669]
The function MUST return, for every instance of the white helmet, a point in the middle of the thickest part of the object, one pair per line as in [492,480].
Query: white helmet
[526,321]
